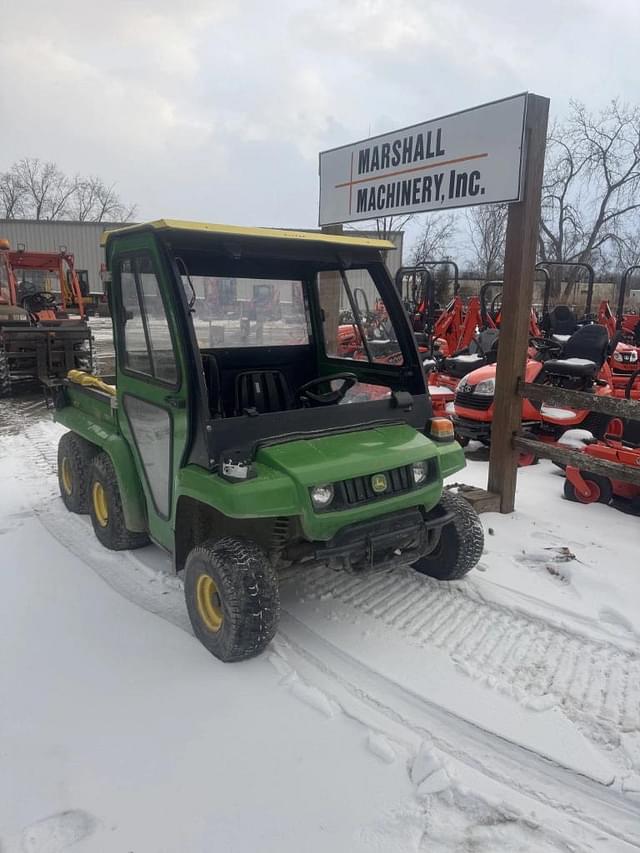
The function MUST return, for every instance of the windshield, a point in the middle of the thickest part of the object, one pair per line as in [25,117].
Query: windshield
[247,312]
[356,322]
[235,312]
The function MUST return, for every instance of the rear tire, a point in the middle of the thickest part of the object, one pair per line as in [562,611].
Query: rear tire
[74,460]
[105,508]
[600,487]
[460,545]
[232,596]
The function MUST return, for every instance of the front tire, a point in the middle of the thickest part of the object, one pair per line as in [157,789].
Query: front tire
[460,545]
[232,596]
[74,460]
[105,508]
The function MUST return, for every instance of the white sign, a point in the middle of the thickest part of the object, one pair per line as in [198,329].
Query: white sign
[471,157]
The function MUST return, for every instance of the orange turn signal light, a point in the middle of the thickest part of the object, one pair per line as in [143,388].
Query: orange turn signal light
[440,429]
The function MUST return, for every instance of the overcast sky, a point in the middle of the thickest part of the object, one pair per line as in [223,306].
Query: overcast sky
[217,110]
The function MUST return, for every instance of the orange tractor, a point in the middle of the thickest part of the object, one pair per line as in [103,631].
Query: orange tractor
[39,340]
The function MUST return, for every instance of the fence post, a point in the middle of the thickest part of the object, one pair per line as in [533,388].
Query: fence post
[520,258]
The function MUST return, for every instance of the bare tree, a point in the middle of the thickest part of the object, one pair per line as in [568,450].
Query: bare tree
[34,189]
[12,195]
[46,189]
[95,201]
[436,239]
[487,227]
[386,225]
[591,185]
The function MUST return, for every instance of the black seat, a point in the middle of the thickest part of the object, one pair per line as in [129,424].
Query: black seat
[262,391]
[561,320]
[483,349]
[583,354]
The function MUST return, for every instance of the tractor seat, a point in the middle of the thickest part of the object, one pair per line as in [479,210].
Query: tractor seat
[262,391]
[583,368]
[583,354]
[459,365]
[381,346]
[562,320]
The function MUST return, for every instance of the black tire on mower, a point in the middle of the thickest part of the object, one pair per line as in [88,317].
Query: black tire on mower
[110,530]
[603,484]
[460,545]
[235,577]
[74,460]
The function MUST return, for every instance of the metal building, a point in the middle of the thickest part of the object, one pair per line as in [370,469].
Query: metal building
[82,239]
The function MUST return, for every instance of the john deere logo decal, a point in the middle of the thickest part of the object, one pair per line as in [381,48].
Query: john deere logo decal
[379,483]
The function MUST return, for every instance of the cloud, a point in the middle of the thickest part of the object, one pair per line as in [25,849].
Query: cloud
[217,109]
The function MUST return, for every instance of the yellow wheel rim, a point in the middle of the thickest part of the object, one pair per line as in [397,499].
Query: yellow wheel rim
[208,603]
[100,506]
[65,473]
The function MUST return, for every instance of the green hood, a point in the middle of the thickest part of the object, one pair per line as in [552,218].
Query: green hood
[353,454]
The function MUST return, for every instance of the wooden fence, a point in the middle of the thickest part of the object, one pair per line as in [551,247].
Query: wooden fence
[615,407]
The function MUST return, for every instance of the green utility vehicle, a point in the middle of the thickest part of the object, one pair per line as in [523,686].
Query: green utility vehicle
[243,446]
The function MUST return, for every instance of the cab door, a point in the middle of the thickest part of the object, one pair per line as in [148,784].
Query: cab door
[152,387]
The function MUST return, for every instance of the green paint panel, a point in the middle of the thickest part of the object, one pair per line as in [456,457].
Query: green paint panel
[352,454]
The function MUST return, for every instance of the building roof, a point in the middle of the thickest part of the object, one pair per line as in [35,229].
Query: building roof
[267,233]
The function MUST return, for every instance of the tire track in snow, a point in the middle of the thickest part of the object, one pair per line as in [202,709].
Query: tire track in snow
[516,654]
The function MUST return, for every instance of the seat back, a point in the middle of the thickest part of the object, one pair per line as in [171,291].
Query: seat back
[590,342]
[562,320]
[262,390]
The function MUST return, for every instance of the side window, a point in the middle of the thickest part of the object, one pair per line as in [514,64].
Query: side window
[356,324]
[148,347]
[160,345]
[136,354]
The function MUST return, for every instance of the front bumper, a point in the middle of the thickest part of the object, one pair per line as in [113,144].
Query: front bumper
[401,537]
[477,430]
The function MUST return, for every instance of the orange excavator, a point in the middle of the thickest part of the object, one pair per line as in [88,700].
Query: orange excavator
[39,339]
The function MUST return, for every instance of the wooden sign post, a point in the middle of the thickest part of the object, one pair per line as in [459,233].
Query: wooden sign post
[520,258]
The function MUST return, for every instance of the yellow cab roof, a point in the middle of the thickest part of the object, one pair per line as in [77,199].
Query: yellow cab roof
[284,234]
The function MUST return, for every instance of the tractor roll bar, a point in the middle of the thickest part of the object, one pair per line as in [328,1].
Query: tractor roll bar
[483,303]
[623,291]
[422,293]
[542,265]
[456,271]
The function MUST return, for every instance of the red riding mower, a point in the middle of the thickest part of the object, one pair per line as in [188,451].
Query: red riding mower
[587,487]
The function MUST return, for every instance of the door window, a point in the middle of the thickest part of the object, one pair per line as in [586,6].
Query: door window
[148,347]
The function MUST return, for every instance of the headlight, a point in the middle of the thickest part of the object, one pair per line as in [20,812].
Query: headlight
[321,496]
[617,356]
[633,356]
[486,388]
[420,471]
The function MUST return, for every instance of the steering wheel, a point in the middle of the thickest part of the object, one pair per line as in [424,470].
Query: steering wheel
[327,398]
[542,344]
[39,301]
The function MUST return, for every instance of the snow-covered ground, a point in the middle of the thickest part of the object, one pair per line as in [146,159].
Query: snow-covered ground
[392,713]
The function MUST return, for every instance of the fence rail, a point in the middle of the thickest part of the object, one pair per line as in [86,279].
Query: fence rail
[614,406]
[628,410]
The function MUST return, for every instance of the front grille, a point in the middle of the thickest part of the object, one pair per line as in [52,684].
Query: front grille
[359,490]
[473,401]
